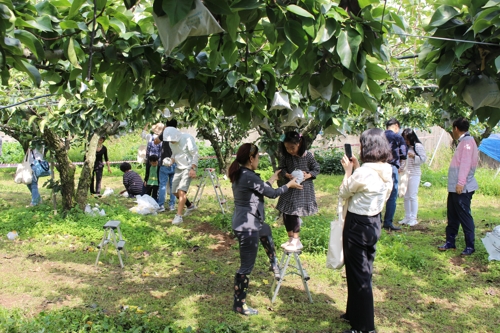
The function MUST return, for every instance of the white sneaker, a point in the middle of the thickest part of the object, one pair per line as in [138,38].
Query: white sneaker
[189,210]
[177,219]
[171,207]
[294,246]
[404,221]
[288,242]
[411,223]
[161,209]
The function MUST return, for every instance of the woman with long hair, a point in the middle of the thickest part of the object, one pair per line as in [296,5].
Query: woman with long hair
[248,218]
[416,157]
[367,188]
[297,161]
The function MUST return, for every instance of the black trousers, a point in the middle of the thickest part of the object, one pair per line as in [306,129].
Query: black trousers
[359,238]
[459,214]
[249,247]
[97,176]
[152,191]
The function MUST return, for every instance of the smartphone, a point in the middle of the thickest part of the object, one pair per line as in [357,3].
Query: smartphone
[348,151]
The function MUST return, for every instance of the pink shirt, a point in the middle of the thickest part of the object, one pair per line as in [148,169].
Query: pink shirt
[463,165]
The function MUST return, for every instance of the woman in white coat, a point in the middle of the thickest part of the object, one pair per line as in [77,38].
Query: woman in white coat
[416,157]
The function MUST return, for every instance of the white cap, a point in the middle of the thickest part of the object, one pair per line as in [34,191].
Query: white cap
[171,134]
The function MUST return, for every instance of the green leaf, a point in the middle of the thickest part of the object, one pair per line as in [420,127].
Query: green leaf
[347,48]
[230,52]
[42,23]
[461,48]
[445,64]
[75,8]
[104,22]
[480,25]
[30,121]
[219,7]
[375,72]
[31,70]
[232,78]
[497,64]
[375,89]
[362,99]
[72,54]
[295,34]
[31,42]
[232,24]
[269,31]
[308,26]
[365,3]
[299,11]
[442,15]
[245,4]
[214,60]
[42,124]
[117,25]
[69,24]
[492,3]
[177,10]
[326,32]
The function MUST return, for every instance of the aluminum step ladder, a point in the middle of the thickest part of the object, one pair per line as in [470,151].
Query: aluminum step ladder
[210,173]
[111,231]
[294,269]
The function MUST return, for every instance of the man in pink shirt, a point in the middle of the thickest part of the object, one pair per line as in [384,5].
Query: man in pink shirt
[461,187]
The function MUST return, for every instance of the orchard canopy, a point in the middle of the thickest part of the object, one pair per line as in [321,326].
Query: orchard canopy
[103,60]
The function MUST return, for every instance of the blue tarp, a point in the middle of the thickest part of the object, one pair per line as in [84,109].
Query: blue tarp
[491,146]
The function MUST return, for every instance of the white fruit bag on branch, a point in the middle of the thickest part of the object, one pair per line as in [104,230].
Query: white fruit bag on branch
[199,22]
[280,101]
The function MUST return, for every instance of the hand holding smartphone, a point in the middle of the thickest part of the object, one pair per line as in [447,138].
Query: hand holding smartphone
[348,151]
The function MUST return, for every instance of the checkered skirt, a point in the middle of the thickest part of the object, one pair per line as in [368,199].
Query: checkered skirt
[295,201]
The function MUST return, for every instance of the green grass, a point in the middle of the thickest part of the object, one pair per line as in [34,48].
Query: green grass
[179,279]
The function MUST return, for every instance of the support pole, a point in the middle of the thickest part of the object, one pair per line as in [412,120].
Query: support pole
[437,147]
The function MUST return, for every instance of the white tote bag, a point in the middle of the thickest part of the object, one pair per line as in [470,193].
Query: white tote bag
[335,254]
[24,173]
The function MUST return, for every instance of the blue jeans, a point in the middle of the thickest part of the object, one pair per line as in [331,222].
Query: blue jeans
[390,206]
[35,195]
[166,175]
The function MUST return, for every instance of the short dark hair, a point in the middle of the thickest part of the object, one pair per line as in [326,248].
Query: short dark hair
[462,124]
[374,146]
[296,138]
[171,123]
[153,158]
[125,166]
[392,121]
[103,138]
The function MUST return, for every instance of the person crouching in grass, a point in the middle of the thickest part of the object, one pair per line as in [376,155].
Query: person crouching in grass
[131,180]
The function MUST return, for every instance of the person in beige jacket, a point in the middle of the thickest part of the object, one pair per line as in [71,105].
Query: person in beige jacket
[367,188]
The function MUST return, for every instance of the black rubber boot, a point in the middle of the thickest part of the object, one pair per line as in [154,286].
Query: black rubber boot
[241,282]
[268,244]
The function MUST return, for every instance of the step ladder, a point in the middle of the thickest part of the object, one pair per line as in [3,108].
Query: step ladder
[111,228]
[210,173]
[294,269]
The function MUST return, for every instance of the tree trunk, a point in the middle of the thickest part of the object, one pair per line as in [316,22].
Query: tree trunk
[84,181]
[64,166]
[216,145]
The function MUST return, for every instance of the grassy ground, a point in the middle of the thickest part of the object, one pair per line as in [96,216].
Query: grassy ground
[178,278]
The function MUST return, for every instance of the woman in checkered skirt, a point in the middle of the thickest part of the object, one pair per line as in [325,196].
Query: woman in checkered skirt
[296,161]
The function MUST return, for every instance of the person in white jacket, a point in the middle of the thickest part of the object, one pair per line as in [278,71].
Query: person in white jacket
[416,156]
[366,189]
[185,156]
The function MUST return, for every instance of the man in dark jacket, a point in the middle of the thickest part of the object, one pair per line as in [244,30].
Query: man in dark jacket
[399,151]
